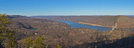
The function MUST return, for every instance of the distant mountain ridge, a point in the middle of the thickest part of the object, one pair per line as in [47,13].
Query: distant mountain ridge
[14,16]
[107,21]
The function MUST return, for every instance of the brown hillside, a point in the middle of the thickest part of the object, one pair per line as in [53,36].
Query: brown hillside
[107,21]
[125,22]
[55,32]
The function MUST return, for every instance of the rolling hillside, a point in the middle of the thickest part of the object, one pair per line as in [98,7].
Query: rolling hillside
[106,21]
[125,22]
[55,32]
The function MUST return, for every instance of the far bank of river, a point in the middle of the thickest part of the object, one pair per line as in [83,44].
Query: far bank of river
[89,24]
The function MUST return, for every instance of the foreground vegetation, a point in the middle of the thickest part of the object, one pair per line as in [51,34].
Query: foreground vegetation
[6,35]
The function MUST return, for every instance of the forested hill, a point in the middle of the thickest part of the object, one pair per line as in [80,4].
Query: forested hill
[15,16]
[61,34]
[106,21]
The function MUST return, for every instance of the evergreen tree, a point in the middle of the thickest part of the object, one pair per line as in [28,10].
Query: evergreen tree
[38,42]
[5,32]
[28,42]
[11,40]
[58,46]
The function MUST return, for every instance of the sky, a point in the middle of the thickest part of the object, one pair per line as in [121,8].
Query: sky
[67,7]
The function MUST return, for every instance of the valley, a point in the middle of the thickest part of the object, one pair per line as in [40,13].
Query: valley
[55,32]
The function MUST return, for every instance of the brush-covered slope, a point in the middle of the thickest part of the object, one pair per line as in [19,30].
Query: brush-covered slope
[107,21]
[125,22]
[53,32]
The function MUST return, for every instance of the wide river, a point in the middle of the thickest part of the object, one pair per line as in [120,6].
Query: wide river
[78,25]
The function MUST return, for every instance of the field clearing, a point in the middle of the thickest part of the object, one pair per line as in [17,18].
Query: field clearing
[89,24]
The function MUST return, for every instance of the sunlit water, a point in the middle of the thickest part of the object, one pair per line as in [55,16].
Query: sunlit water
[32,29]
[78,25]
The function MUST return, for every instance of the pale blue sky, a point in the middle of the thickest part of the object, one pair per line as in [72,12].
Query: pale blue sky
[67,7]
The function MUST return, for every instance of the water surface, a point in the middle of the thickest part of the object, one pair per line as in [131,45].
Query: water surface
[78,25]
[33,29]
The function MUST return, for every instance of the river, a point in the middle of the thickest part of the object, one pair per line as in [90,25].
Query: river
[78,25]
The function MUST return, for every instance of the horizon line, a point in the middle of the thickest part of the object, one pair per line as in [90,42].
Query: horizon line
[73,15]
